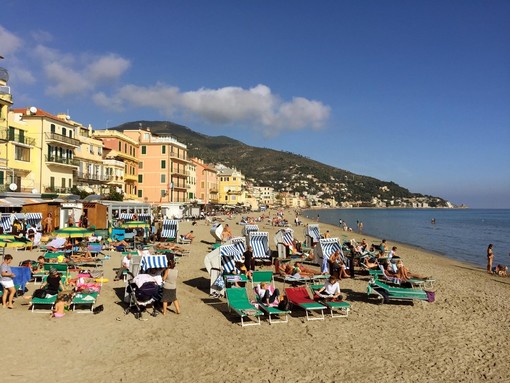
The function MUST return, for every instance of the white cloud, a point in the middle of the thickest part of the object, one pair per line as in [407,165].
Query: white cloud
[9,43]
[256,106]
[107,68]
[65,81]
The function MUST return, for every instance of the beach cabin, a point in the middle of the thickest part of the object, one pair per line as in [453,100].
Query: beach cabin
[325,248]
[216,231]
[284,241]
[249,228]
[259,242]
[312,235]
[170,229]
[239,243]
[220,261]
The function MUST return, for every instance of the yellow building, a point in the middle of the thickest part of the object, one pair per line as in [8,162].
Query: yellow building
[231,186]
[162,167]
[52,153]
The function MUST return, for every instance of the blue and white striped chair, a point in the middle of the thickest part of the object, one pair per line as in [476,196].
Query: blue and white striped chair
[259,243]
[170,229]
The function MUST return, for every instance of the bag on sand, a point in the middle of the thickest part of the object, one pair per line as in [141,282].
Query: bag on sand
[431,296]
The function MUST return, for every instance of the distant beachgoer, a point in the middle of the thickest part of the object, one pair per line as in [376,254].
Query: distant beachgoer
[327,235]
[360,227]
[340,222]
[48,224]
[433,221]
[490,258]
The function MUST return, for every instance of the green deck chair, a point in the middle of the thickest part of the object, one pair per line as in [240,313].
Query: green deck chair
[238,301]
[84,301]
[387,293]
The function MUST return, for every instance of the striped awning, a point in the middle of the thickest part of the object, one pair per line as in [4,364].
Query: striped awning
[288,237]
[314,232]
[239,243]
[259,243]
[170,228]
[141,217]
[229,256]
[249,228]
[33,219]
[6,222]
[153,262]
[329,246]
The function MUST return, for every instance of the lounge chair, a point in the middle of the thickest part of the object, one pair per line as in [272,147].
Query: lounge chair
[337,309]
[299,296]
[262,276]
[84,301]
[238,301]
[272,310]
[47,303]
[388,293]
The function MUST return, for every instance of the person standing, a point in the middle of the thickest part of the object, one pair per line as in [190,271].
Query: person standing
[48,224]
[84,221]
[7,282]
[249,262]
[170,288]
[490,258]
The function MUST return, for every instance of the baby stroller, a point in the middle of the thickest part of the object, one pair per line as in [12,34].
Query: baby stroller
[143,290]
[141,297]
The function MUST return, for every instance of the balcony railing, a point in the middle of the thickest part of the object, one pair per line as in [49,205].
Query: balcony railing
[55,189]
[63,139]
[64,161]
[93,177]
[8,135]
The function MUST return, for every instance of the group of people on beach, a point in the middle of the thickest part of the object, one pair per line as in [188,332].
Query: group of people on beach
[499,269]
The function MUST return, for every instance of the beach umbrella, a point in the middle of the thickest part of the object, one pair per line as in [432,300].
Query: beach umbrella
[73,232]
[135,225]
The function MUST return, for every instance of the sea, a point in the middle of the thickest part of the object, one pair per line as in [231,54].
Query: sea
[461,234]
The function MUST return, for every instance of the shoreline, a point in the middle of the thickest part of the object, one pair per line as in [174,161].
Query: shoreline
[462,336]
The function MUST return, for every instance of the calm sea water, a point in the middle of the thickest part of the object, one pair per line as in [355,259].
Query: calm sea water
[462,234]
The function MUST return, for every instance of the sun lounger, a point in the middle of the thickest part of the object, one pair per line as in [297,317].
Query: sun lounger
[238,301]
[270,310]
[387,293]
[84,301]
[46,303]
[299,296]
[262,276]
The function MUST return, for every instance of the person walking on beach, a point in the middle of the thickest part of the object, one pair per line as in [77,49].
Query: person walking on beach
[170,288]
[490,258]
[7,282]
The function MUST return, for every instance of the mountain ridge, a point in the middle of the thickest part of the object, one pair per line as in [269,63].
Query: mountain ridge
[286,171]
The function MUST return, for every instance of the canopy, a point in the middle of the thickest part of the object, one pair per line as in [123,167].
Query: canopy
[73,232]
[134,225]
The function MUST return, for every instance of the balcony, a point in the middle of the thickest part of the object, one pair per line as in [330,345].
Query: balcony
[130,177]
[92,177]
[55,189]
[62,161]
[7,135]
[61,139]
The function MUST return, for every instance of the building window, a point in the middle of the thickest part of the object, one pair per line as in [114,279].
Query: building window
[163,193]
[64,131]
[140,165]
[22,154]
[163,164]
[63,183]
[125,148]
[163,149]
[52,128]
[144,149]
[163,178]
[140,195]
[140,178]
[120,146]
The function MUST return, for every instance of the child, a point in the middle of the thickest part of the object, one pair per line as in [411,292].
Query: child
[63,300]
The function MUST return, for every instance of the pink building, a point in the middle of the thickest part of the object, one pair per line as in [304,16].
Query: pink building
[207,185]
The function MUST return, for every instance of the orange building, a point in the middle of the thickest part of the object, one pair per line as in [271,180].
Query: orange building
[207,183]
[162,167]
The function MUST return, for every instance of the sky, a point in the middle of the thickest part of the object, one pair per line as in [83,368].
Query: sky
[414,92]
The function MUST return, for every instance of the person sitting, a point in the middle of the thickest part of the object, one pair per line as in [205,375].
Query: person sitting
[330,290]
[126,262]
[39,267]
[267,295]
[226,234]
[63,300]
[336,266]
[500,270]
[53,283]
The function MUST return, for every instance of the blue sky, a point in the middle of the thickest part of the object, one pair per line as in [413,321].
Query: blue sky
[415,92]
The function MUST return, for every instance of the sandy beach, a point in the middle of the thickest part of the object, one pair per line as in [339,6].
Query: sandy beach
[462,337]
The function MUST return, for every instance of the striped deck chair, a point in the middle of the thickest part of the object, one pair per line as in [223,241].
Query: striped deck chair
[229,256]
[153,261]
[326,247]
[247,229]
[33,219]
[239,243]
[259,243]
[312,234]
[6,221]
[284,239]
[170,229]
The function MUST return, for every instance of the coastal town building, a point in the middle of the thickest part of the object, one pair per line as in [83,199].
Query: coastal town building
[206,181]
[54,144]
[162,165]
[122,148]
[231,186]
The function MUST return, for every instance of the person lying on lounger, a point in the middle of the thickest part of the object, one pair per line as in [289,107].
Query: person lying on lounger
[404,274]
[189,236]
